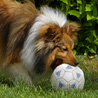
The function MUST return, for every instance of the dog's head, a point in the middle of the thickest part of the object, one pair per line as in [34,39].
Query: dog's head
[55,40]
[55,45]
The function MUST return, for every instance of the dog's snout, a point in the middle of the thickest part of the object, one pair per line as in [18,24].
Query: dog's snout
[76,63]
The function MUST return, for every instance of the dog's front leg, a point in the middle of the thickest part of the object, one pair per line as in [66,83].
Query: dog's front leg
[18,72]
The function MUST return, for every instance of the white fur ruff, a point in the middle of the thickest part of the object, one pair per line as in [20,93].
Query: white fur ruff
[48,15]
[51,15]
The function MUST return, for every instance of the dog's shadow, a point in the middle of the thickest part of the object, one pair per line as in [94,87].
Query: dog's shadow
[6,81]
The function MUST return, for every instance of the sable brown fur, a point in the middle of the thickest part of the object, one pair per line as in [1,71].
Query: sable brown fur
[14,20]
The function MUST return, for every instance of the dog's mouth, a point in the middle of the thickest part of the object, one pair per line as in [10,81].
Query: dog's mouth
[56,63]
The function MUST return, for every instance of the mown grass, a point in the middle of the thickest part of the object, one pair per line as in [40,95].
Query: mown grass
[44,89]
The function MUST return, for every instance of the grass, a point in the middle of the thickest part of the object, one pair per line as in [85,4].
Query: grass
[44,89]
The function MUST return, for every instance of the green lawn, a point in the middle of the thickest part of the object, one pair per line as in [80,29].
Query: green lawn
[44,89]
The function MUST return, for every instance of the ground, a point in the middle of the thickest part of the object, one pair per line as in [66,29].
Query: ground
[9,89]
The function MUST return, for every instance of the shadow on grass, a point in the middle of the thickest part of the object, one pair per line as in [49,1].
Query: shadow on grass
[6,81]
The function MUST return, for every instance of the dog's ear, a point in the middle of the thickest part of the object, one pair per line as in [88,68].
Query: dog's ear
[71,29]
[51,33]
[54,34]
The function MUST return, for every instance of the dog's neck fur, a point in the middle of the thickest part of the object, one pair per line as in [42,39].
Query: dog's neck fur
[48,16]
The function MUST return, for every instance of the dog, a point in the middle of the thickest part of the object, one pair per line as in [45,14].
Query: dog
[32,41]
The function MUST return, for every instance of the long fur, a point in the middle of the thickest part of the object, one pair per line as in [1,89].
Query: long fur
[31,41]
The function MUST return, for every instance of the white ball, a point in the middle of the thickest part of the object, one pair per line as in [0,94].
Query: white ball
[67,77]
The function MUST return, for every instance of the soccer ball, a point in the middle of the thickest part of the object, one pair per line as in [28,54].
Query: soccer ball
[67,77]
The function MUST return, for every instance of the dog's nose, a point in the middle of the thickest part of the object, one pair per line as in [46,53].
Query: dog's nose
[76,63]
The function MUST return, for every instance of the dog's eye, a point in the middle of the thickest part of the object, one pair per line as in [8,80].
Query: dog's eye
[65,49]
[58,38]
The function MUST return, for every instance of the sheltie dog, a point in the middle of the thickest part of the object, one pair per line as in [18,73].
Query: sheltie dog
[32,41]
